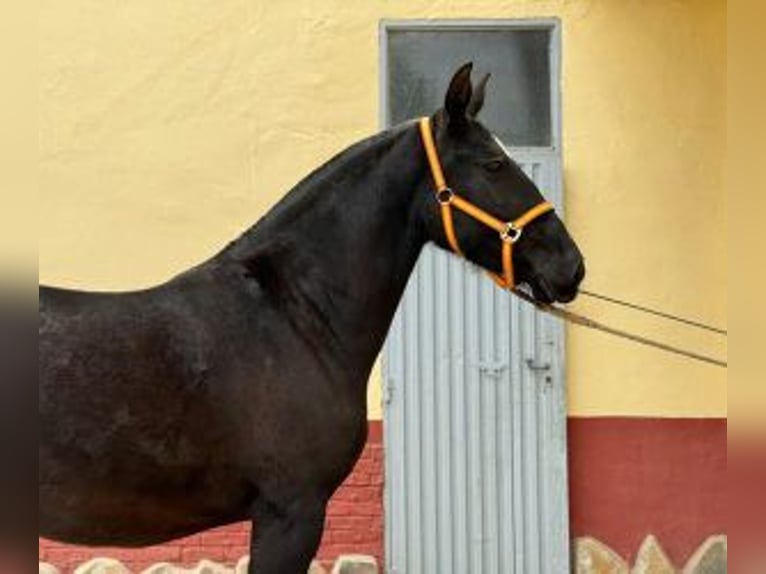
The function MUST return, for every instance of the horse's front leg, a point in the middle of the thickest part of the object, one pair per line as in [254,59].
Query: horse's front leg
[286,537]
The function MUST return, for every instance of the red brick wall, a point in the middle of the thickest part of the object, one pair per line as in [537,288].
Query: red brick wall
[354,522]
[354,525]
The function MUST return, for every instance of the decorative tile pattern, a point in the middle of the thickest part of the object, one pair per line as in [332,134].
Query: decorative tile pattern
[355,564]
[590,555]
[593,557]
[652,559]
[710,558]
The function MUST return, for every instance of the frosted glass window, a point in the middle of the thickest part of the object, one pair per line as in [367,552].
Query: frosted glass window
[518,104]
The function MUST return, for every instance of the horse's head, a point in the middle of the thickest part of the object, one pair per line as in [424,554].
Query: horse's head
[478,168]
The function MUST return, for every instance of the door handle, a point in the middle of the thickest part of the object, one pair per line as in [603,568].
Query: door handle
[533,365]
[540,368]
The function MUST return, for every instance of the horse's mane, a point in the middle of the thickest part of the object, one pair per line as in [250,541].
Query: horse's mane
[304,195]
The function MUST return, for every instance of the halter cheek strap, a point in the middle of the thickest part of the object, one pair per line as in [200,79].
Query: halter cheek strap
[509,231]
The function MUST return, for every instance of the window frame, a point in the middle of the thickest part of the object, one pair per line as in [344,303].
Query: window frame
[551,25]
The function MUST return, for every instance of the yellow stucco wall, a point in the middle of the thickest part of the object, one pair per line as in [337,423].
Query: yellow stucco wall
[168,127]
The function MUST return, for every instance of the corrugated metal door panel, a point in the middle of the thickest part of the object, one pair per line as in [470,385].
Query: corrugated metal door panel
[475,423]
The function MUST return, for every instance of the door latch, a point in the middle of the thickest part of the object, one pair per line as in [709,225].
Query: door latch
[540,368]
[533,365]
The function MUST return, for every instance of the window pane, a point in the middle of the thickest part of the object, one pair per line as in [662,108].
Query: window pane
[518,104]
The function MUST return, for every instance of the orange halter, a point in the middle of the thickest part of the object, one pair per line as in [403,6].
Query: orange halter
[509,231]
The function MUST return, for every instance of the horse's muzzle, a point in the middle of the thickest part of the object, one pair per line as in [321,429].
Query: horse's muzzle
[547,291]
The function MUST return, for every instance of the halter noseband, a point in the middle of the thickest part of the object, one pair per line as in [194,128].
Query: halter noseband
[509,231]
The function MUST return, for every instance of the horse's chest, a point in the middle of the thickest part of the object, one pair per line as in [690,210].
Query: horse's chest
[307,429]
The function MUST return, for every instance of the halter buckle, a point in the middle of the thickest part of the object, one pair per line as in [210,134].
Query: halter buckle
[511,233]
[445,196]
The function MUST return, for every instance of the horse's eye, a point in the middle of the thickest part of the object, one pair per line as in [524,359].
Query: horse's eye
[494,165]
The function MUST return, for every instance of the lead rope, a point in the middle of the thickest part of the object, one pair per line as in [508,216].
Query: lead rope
[655,312]
[583,321]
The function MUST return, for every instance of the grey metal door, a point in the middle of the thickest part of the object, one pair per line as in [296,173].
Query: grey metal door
[475,408]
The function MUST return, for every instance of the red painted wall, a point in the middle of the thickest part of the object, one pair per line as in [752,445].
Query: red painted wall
[629,477]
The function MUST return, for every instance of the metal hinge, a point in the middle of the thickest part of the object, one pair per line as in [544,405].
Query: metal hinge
[388,391]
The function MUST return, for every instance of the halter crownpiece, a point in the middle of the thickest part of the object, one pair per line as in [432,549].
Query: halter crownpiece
[509,231]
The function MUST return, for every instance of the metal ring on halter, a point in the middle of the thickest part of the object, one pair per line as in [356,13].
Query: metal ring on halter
[511,233]
[445,196]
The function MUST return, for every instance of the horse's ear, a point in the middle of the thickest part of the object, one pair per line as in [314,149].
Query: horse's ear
[459,96]
[477,100]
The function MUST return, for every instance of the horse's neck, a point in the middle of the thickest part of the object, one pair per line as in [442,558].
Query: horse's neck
[338,250]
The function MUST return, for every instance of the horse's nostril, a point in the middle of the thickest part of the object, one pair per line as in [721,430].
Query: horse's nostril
[579,272]
[545,290]
[568,291]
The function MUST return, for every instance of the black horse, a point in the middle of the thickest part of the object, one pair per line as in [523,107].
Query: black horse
[236,390]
